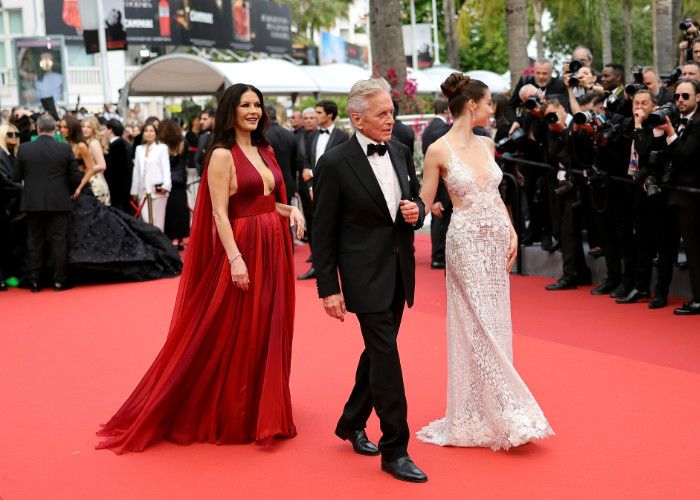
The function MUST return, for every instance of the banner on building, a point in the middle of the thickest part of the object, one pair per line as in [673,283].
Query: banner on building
[40,70]
[334,49]
[258,25]
[420,36]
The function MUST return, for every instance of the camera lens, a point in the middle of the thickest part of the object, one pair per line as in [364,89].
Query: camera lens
[551,118]
[575,65]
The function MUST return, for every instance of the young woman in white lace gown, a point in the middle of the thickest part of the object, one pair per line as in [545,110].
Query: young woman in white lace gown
[488,404]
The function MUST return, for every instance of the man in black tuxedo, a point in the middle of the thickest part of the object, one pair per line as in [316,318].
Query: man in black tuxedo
[543,80]
[442,207]
[206,120]
[324,139]
[309,126]
[684,149]
[402,132]
[50,174]
[119,167]
[284,143]
[367,208]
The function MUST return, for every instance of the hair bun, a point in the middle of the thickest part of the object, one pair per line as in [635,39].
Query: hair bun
[455,84]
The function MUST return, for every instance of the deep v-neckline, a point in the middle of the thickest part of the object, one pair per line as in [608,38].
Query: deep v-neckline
[262,179]
[482,184]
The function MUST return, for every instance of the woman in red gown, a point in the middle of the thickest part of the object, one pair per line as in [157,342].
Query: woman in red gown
[223,373]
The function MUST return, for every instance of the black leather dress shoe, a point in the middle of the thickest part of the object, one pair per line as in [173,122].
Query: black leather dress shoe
[632,297]
[3,286]
[437,265]
[61,287]
[604,288]
[311,273]
[562,284]
[658,302]
[34,286]
[688,309]
[620,291]
[404,469]
[360,443]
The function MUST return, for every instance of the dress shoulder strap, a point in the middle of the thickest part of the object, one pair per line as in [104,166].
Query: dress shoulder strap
[452,151]
[488,151]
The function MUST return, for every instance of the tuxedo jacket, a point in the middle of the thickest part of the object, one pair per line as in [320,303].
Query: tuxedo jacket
[404,134]
[119,169]
[353,232]
[337,137]
[685,151]
[50,174]
[284,143]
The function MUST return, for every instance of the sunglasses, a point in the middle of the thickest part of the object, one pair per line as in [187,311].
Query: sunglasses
[684,95]
[12,134]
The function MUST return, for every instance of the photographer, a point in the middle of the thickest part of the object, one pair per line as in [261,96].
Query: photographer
[565,143]
[578,84]
[684,148]
[691,70]
[690,34]
[653,227]
[533,179]
[652,82]
[612,80]
[543,80]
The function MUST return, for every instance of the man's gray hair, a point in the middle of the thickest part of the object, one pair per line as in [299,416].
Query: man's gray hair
[526,89]
[589,54]
[361,90]
[45,124]
[544,60]
[308,110]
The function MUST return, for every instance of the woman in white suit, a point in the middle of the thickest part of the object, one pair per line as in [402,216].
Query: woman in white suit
[151,178]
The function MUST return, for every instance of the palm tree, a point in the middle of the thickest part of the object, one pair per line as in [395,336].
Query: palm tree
[538,9]
[448,8]
[312,15]
[386,42]
[605,32]
[516,23]
[627,8]
[664,50]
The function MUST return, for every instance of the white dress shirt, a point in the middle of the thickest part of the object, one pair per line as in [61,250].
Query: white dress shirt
[322,141]
[385,174]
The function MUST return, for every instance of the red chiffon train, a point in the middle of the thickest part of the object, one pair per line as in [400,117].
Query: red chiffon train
[223,374]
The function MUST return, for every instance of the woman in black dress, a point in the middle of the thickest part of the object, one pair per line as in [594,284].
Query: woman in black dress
[177,215]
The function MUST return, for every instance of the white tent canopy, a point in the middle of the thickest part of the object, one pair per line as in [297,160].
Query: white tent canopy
[183,74]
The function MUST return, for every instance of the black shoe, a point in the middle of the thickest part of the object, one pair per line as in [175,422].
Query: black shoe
[404,469]
[311,273]
[604,288]
[309,259]
[360,443]
[61,287]
[584,279]
[34,286]
[3,286]
[688,309]
[632,297]
[551,247]
[437,265]
[562,284]
[620,291]
[658,302]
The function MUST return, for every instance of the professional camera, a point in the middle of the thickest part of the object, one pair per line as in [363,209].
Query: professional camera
[658,117]
[671,78]
[532,102]
[510,144]
[633,88]
[595,119]
[595,177]
[685,25]
[564,189]
[551,118]
[574,66]
[651,186]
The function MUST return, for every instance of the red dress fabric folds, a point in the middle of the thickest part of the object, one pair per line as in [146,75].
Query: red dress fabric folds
[223,374]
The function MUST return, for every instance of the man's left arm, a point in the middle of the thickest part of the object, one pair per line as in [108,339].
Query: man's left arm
[414,187]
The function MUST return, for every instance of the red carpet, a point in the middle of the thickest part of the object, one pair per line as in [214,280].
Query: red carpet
[619,384]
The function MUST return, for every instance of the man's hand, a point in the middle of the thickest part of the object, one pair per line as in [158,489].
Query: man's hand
[437,209]
[306,174]
[335,306]
[409,210]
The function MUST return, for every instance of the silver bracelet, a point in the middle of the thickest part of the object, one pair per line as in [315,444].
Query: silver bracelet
[233,257]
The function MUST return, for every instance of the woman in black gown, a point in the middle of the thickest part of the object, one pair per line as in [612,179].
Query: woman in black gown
[177,215]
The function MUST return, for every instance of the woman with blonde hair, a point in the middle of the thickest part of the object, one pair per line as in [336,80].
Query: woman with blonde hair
[98,146]
[10,192]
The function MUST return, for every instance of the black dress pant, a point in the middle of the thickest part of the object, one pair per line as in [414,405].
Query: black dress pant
[307,206]
[574,261]
[51,227]
[666,239]
[689,220]
[438,235]
[612,207]
[644,242]
[379,381]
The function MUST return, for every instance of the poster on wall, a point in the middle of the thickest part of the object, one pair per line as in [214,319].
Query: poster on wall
[76,21]
[257,25]
[40,70]
[420,36]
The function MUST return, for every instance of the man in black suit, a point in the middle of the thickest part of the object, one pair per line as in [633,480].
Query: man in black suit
[206,120]
[684,149]
[119,167]
[402,132]
[50,174]
[442,207]
[367,208]
[284,143]
[324,139]
[309,126]
[543,80]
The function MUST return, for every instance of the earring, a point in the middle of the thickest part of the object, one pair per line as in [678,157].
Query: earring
[472,115]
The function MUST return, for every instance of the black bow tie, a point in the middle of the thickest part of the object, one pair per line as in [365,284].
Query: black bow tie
[684,122]
[380,149]
[322,131]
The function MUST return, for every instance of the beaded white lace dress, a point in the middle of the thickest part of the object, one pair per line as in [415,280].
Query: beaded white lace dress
[488,404]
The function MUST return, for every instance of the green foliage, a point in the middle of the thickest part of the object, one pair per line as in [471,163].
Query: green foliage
[483,40]
[310,102]
[316,14]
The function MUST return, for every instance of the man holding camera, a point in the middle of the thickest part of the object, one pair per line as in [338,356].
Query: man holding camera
[542,79]
[684,148]
[653,227]
[566,146]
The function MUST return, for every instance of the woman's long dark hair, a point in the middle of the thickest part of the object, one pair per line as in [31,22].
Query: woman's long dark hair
[75,130]
[224,134]
[503,113]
